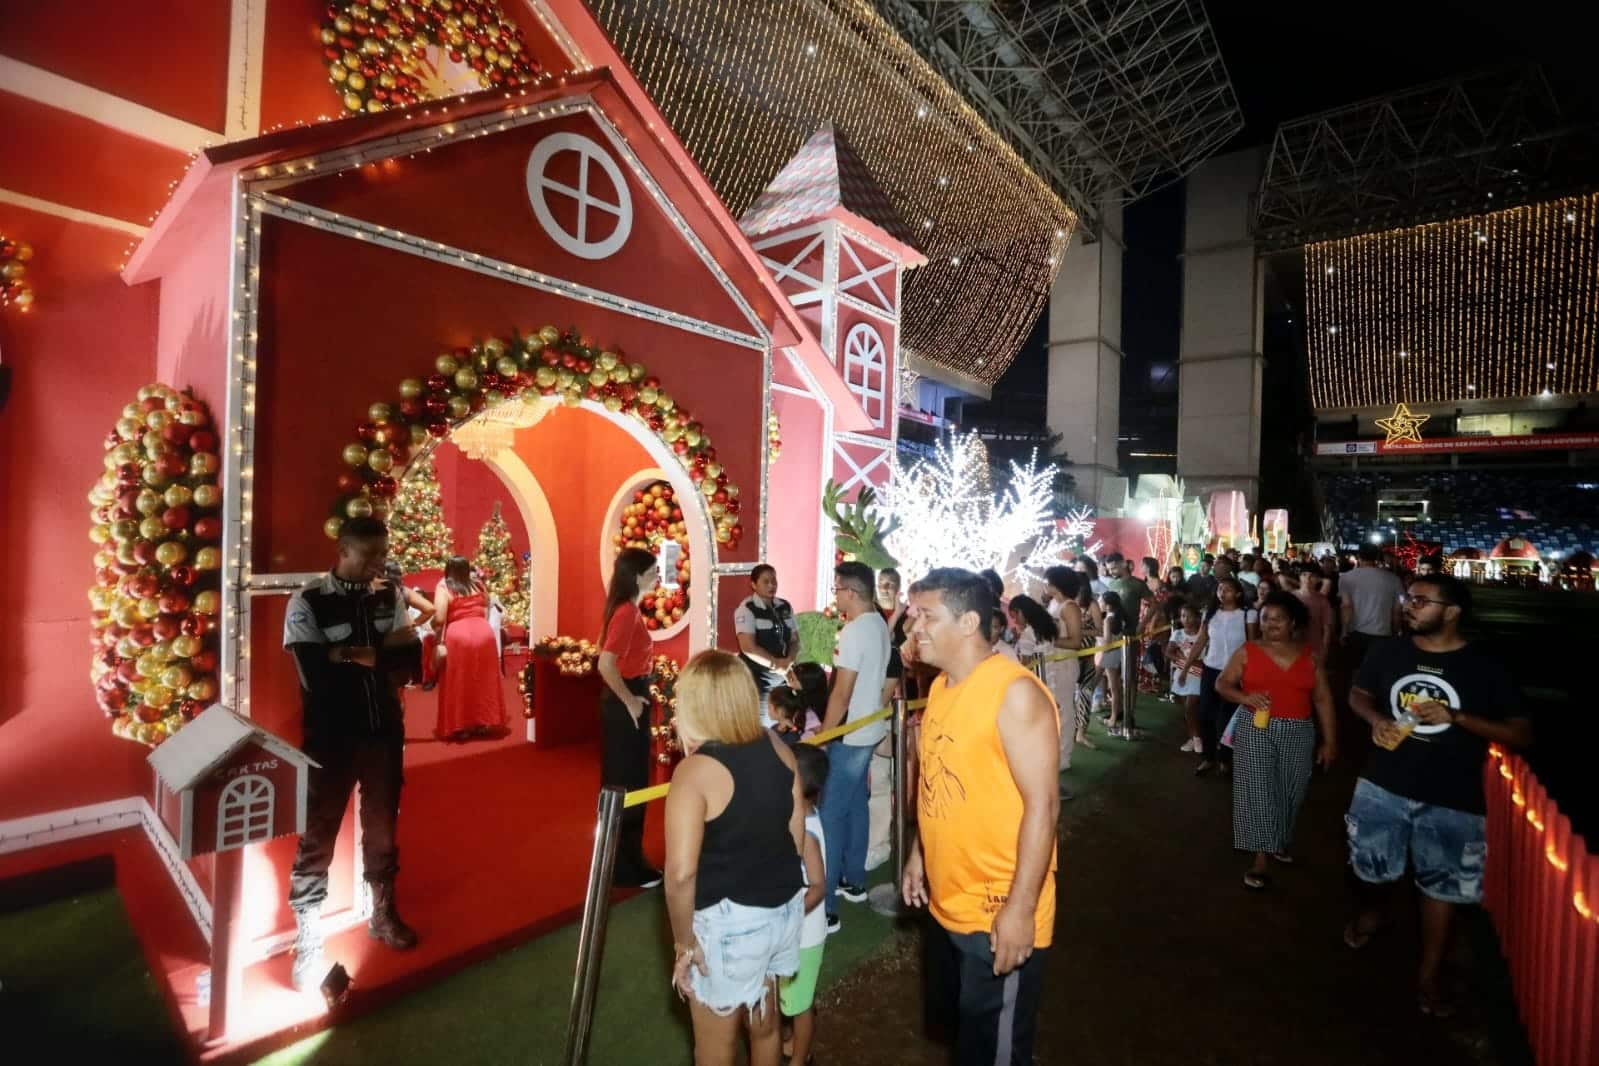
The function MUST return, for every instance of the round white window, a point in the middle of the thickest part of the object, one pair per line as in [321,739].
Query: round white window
[603,204]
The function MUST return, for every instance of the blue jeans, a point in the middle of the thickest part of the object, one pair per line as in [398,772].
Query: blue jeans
[844,817]
[1389,832]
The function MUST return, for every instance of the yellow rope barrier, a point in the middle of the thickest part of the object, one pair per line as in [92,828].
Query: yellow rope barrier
[655,792]
[1112,646]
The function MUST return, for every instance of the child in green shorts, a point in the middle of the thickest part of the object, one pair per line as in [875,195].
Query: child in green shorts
[797,993]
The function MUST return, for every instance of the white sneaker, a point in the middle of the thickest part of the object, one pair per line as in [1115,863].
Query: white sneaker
[1190,745]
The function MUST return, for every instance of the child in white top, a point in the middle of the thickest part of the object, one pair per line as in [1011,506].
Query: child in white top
[1185,683]
[797,994]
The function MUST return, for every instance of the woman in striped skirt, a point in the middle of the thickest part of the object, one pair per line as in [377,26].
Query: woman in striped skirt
[1276,682]
[1068,598]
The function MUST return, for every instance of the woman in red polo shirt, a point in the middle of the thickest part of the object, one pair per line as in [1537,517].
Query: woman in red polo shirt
[626,652]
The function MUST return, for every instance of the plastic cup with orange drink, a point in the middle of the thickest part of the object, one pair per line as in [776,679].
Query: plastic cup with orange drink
[1263,715]
[1406,724]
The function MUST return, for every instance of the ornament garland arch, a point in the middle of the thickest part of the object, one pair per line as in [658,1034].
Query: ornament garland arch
[387,53]
[155,516]
[543,366]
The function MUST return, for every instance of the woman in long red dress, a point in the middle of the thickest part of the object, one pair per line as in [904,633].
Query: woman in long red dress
[471,703]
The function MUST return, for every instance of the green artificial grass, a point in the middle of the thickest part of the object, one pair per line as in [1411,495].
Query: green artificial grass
[817,633]
[74,985]
[513,1008]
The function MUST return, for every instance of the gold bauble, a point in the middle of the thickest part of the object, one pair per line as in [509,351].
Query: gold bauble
[494,347]
[545,376]
[202,689]
[207,496]
[380,510]
[598,377]
[148,502]
[158,420]
[133,411]
[204,464]
[458,407]
[170,553]
[446,364]
[549,334]
[186,646]
[159,696]
[664,403]
[732,492]
[694,438]
[205,602]
[708,488]
[466,379]
[619,375]
[126,613]
[100,533]
[505,366]
[410,389]
[352,102]
[152,529]
[176,677]
[637,372]
[606,361]
[572,397]
[357,81]
[494,398]
[127,452]
[354,454]
[129,428]
[613,403]
[149,608]
[718,510]
[379,412]
[124,529]
[671,433]
[358,507]
[177,496]
[713,470]
[374,105]
[648,396]
[564,377]
[331,527]
[380,460]
[723,536]
[419,435]
[150,665]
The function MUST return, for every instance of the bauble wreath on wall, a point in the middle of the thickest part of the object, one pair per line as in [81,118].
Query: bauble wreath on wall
[524,369]
[652,518]
[155,515]
[378,52]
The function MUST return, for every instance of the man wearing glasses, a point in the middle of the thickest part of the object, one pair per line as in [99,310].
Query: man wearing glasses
[1434,703]
[859,668]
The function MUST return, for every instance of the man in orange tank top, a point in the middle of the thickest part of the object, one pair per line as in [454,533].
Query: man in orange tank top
[983,860]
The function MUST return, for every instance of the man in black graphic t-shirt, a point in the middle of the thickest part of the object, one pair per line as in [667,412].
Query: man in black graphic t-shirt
[1420,798]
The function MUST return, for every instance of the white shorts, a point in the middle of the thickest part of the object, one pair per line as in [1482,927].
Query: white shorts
[744,947]
[1184,684]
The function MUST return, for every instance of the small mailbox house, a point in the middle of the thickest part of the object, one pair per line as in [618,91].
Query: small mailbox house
[223,782]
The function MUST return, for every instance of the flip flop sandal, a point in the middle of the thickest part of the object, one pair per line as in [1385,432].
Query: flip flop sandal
[1256,882]
[1282,857]
[1354,938]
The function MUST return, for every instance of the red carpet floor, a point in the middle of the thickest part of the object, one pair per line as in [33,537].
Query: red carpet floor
[495,843]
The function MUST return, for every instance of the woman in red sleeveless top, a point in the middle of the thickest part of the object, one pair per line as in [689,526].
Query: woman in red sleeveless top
[471,702]
[1276,682]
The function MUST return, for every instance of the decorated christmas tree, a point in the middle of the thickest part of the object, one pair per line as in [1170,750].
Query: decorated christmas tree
[497,563]
[419,539]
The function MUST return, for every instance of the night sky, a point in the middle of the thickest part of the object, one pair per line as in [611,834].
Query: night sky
[1288,60]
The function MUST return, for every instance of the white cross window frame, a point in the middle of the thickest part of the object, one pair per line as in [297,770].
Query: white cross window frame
[244,812]
[540,185]
[866,369]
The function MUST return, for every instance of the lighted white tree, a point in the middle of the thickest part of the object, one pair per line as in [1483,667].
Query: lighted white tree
[949,515]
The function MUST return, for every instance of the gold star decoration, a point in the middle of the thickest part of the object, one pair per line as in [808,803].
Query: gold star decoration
[1402,426]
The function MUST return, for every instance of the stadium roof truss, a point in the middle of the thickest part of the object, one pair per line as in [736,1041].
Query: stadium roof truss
[1472,143]
[1105,99]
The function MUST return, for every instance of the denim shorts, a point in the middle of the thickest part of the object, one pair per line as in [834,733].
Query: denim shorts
[1446,845]
[745,947]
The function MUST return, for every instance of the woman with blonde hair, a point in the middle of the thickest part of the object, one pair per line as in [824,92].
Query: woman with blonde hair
[735,893]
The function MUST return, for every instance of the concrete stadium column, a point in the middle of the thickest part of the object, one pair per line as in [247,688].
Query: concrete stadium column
[1221,366]
[1085,355]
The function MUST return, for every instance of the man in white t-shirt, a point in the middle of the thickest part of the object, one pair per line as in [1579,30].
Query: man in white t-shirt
[859,668]
[1368,603]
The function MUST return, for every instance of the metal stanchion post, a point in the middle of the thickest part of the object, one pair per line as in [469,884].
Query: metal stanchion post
[591,936]
[885,899]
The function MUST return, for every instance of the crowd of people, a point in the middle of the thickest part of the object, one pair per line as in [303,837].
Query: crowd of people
[769,832]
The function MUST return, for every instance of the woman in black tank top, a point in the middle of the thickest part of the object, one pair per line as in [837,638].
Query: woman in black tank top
[734,881]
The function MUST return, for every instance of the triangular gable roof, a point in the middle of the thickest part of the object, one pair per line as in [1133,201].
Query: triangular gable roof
[618,95]
[184,760]
[826,176]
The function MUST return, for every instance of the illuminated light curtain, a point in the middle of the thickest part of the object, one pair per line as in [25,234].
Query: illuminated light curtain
[1492,306]
[744,83]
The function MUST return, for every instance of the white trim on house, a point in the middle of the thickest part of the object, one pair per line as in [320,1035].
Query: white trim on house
[71,214]
[52,90]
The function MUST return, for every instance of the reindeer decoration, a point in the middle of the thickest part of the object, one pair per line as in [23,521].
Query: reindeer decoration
[860,530]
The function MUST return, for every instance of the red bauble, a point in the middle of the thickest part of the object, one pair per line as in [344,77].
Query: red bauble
[551,357]
[176,517]
[129,474]
[348,483]
[176,433]
[152,403]
[168,625]
[144,552]
[720,496]
[204,661]
[435,406]
[142,635]
[438,427]
[438,383]
[384,486]
[195,625]
[183,575]
[568,360]
[127,670]
[172,465]
[203,440]
[208,528]
[188,708]
[114,699]
[412,409]
[144,585]
[367,432]
[695,474]
[173,601]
